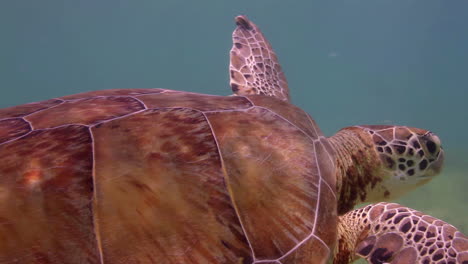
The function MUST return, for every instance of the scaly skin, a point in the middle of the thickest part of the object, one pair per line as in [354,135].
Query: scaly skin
[373,164]
[387,232]
[376,163]
[356,170]
[254,67]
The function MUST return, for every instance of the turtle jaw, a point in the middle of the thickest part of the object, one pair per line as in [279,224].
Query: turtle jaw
[436,167]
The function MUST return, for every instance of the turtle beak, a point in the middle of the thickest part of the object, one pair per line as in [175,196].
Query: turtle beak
[436,166]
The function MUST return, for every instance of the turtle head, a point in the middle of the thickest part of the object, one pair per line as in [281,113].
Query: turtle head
[410,155]
[384,162]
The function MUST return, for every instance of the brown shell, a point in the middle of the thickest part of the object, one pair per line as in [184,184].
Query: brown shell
[159,176]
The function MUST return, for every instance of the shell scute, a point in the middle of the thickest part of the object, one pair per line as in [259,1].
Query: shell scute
[13,128]
[290,113]
[92,108]
[156,150]
[168,174]
[86,111]
[195,101]
[311,251]
[25,109]
[113,92]
[46,195]
[327,216]
[271,170]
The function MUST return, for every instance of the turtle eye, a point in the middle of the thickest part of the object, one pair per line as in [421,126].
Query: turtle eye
[431,146]
[432,143]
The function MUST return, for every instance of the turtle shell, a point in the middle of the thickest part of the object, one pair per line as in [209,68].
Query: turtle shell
[159,176]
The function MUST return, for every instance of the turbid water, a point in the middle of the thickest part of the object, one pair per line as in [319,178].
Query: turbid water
[347,62]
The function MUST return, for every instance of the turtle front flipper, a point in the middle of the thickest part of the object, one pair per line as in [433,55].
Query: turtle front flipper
[391,233]
[254,67]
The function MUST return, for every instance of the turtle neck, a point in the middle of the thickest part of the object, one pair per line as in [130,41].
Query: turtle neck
[357,166]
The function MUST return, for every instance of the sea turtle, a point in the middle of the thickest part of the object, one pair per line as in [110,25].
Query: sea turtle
[161,176]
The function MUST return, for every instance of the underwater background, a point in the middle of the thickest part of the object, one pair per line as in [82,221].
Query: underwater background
[347,62]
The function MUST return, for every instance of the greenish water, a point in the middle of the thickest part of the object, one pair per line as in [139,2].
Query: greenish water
[347,62]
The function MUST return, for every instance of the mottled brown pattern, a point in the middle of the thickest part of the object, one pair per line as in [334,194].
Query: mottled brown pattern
[327,215]
[13,128]
[403,133]
[357,168]
[85,111]
[46,196]
[377,127]
[160,192]
[22,110]
[310,252]
[273,179]
[393,233]
[112,92]
[386,134]
[290,112]
[324,151]
[196,101]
